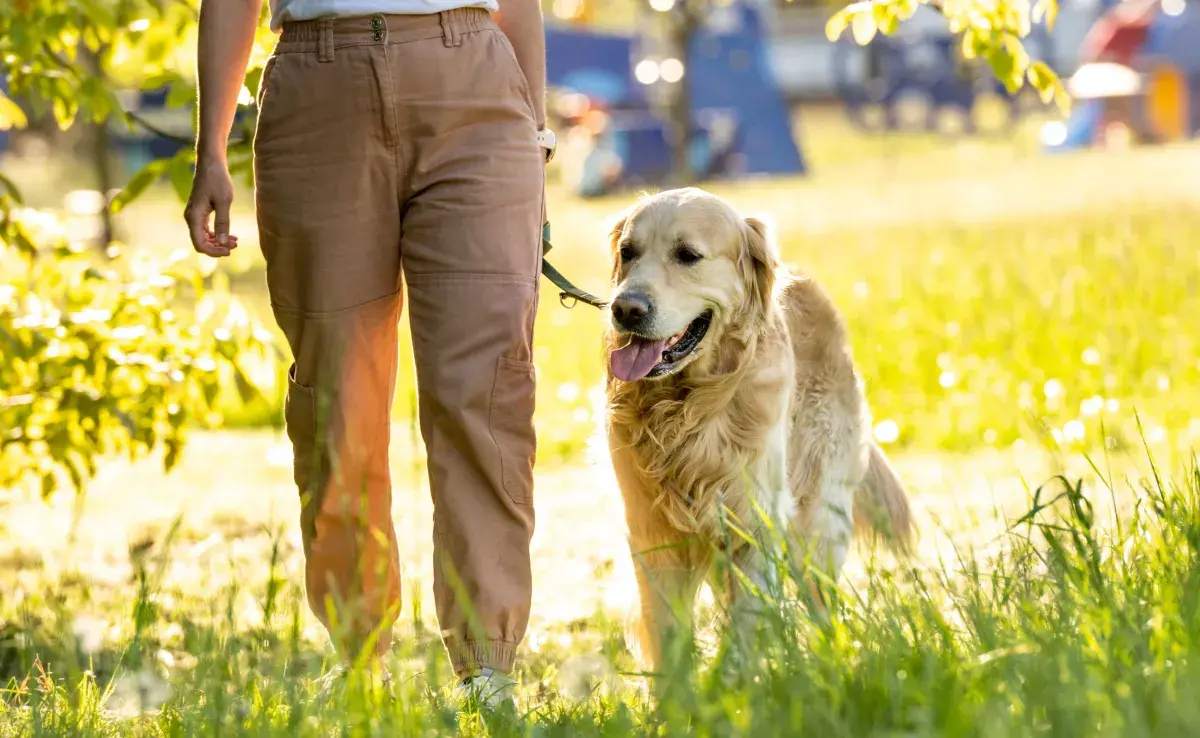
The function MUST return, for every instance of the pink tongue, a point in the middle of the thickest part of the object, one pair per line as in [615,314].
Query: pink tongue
[631,363]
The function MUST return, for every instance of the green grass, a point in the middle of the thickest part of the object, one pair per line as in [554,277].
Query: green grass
[997,300]
[1071,623]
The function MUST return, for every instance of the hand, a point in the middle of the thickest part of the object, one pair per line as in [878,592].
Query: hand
[212,192]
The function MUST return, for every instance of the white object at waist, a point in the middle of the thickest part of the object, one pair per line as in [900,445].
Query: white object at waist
[283,11]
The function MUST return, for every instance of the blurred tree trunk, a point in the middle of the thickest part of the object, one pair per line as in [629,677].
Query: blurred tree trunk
[685,18]
[98,144]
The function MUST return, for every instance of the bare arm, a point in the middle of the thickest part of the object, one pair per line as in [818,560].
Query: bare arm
[226,38]
[523,25]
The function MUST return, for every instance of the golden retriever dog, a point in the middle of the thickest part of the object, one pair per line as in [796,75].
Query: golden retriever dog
[734,410]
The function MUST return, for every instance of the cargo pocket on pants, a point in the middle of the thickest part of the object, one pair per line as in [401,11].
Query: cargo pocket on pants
[300,418]
[511,424]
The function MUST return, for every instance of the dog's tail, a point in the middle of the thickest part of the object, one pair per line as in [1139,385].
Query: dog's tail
[882,506]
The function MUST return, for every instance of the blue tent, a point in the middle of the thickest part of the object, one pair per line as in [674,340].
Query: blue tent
[596,64]
[730,71]
[731,86]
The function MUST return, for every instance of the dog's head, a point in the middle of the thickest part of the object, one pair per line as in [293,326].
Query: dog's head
[687,270]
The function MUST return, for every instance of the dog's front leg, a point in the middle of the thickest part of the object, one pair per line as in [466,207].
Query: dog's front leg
[747,581]
[669,575]
[670,565]
[754,577]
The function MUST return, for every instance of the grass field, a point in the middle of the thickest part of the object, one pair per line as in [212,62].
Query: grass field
[1014,316]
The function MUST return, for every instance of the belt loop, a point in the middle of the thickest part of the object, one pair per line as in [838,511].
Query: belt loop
[325,41]
[449,33]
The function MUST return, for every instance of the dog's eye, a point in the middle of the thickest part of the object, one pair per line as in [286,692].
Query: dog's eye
[687,255]
[628,253]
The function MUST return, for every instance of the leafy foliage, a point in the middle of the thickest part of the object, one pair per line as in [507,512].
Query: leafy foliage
[990,29]
[76,59]
[122,356]
[61,53]
[98,359]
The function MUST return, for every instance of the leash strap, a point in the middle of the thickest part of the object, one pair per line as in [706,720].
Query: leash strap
[570,295]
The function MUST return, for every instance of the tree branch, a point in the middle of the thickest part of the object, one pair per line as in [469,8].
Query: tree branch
[134,118]
[62,63]
[129,115]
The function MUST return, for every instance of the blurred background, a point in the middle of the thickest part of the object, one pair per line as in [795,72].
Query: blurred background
[834,142]
[1020,279]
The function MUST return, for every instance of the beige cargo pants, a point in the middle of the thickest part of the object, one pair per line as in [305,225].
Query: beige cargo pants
[389,144]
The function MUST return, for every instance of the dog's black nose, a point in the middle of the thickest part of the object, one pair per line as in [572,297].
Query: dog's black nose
[629,310]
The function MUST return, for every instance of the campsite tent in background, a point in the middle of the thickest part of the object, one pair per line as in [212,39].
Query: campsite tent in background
[742,124]
[728,70]
[1139,70]
[598,65]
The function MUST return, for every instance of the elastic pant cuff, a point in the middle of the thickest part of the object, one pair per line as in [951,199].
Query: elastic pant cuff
[469,657]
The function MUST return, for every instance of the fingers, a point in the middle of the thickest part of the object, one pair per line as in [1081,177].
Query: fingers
[211,248]
[210,242]
[221,222]
[202,238]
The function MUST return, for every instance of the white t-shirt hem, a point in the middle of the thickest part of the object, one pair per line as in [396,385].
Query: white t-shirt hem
[284,11]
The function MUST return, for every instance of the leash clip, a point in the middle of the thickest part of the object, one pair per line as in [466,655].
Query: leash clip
[570,295]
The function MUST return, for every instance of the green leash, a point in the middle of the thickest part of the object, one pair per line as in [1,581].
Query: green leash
[570,294]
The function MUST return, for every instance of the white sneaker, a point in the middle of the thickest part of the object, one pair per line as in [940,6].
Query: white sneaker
[334,681]
[489,688]
[329,683]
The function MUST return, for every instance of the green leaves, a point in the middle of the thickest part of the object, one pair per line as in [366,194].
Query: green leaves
[148,175]
[248,392]
[94,358]
[13,232]
[1009,60]
[849,15]
[8,188]
[1046,10]
[887,20]
[180,170]
[863,27]
[11,115]
[974,43]
[75,59]
[865,19]
[993,31]
[1049,86]
[100,359]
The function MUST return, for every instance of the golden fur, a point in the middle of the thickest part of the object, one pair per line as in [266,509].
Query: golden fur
[765,424]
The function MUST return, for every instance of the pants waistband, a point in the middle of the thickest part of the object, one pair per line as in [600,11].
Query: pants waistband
[323,35]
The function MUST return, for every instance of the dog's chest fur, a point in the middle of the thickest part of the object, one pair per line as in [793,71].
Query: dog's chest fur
[711,449]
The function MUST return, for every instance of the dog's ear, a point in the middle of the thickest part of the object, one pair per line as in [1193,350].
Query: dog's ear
[759,263]
[614,238]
